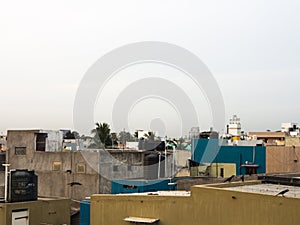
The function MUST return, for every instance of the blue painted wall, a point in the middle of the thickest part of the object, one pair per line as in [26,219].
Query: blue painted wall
[214,150]
[85,212]
[139,186]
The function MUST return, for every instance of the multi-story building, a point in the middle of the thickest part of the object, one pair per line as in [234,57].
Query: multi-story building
[234,127]
[248,159]
[73,174]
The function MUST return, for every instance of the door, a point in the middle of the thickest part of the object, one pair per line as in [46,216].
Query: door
[20,217]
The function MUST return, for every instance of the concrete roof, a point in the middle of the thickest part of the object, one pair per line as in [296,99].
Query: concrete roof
[268,189]
[268,134]
[162,193]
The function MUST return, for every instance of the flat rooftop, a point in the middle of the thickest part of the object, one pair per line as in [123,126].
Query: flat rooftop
[268,189]
[160,193]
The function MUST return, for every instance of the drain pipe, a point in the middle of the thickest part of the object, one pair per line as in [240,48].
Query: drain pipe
[5,184]
[159,162]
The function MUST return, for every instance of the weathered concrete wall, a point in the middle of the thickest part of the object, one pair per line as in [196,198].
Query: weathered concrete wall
[100,166]
[56,183]
[181,157]
[185,185]
[206,205]
[282,159]
[20,139]
[54,140]
[119,164]
[115,165]
[292,141]
[43,211]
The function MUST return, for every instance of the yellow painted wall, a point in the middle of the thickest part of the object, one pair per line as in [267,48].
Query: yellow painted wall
[194,171]
[229,169]
[211,170]
[236,138]
[48,211]
[2,215]
[206,205]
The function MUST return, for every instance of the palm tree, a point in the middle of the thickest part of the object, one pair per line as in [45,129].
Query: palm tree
[102,137]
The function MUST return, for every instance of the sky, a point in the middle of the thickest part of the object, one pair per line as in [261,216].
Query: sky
[252,48]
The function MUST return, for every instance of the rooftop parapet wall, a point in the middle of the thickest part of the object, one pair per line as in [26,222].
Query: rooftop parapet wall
[208,205]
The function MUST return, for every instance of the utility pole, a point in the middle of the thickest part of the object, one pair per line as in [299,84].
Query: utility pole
[166,158]
[159,160]
[124,139]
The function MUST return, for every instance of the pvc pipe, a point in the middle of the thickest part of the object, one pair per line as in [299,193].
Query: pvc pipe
[6,180]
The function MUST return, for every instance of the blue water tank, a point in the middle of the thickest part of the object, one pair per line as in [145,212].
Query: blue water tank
[85,212]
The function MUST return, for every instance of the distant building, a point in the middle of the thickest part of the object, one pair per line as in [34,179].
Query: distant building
[143,134]
[132,145]
[42,151]
[290,128]
[248,159]
[194,132]
[287,127]
[282,159]
[234,127]
[270,138]
[3,143]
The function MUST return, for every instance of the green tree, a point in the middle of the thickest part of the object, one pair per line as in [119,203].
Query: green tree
[102,136]
[180,144]
[125,136]
[71,135]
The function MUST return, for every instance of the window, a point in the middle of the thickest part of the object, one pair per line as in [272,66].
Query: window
[222,172]
[56,166]
[41,142]
[80,168]
[20,150]
[129,168]
[115,168]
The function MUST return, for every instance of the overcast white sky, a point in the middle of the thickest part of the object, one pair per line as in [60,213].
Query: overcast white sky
[251,47]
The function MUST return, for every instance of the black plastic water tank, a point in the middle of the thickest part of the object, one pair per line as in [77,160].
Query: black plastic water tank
[22,186]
